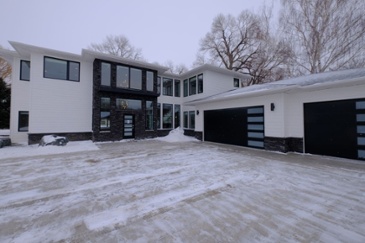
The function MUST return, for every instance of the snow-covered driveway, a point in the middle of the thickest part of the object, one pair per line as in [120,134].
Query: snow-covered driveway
[154,191]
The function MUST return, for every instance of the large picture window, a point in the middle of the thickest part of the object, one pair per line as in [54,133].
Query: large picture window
[23,122]
[122,77]
[167,86]
[167,116]
[149,115]
[150,77]
[61,69]
[24,70]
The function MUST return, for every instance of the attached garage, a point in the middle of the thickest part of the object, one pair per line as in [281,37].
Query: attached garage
[335,128]
[237,126]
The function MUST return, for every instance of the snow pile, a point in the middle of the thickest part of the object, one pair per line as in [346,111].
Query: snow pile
[33,150]
[177,135]
[4,132]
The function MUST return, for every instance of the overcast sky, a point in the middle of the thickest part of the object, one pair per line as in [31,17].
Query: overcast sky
[163,29]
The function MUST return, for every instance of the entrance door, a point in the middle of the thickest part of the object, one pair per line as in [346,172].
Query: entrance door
[128,126]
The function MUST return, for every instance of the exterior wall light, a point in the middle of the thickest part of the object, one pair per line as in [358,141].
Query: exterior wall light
[272,106]
[197,112]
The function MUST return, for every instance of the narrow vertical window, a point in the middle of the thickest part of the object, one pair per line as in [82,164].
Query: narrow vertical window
[191,119]
[105,113]
[135,79]
[24,70]
[200,83]
[186,119]
[105,74]
[158,116]
[186,88]
[177,116]
[236,83]
[158,85]
[167,86]
[149,115]
[73,71]
[177,88]
[192,85]
[150,77]
[167,116]
[23,122]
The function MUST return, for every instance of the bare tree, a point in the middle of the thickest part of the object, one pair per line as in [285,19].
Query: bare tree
[324,34]
[245,44]
[176,69]
[5,68]
[119,46]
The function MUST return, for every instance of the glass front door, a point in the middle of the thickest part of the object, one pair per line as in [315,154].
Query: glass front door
[128,126]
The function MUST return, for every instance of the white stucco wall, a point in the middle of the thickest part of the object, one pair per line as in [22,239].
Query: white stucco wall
[60,105]
[19,102]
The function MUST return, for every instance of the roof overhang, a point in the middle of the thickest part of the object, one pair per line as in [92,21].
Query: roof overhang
[8,55]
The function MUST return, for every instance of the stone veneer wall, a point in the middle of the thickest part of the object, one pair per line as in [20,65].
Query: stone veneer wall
[284,144]
[192,133]
[117,116]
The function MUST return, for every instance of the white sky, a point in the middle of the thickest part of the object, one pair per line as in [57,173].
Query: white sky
[163,29]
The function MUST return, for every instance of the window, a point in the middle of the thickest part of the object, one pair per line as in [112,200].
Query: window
[177,116]
[158,115]
[150,77]
[24,70]
[191,119]
[23,122]
[200,83]
[126,104]
[186,88]
[136,79]
[122,77]
[158,85]
[61,69]
[105,113]
[167,116]
[167,86]
[149,115]
[177,88]
[236,83]
[186,119]
[192,86]
[105,74]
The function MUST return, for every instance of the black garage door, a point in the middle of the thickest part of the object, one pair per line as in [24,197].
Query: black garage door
[237,126]
[335,128]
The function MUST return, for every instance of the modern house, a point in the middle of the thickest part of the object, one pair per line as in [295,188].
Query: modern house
[107,98]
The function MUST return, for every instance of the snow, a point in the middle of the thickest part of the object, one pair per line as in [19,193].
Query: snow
[177,135]
[163,191]
[4,132]
[18,151]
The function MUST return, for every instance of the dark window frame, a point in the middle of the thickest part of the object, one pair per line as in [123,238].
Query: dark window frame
[236,82]
[177,115]
[149,116]
[105,109]
[168,117]
[200,81]
[186,87]
[20,114]
[21,70]
[149,81]
[192,83]
[167,86]
[177,87]
[191,118]
[67,69]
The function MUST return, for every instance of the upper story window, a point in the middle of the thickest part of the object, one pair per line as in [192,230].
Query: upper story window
[150,77]
[200,83]
[61,69]
[236,83]
[167,86]
[177,88]
[186,88]
[192,85]
[105,74]
[136,78]
[122,77]
[24,70]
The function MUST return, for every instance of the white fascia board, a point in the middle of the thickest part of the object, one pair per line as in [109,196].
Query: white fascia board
[90,55]
[209,67]
[25,50]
